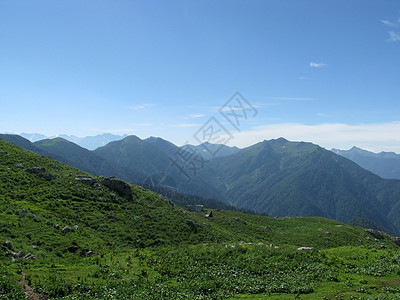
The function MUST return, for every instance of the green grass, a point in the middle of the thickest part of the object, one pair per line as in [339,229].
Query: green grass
[146,248]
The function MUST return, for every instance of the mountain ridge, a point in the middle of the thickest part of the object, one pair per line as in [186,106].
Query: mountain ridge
[275,177]
[384,164]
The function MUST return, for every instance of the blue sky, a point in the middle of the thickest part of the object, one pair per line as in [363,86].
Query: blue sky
[320,71]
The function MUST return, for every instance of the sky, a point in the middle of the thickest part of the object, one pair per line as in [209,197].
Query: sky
[235,72]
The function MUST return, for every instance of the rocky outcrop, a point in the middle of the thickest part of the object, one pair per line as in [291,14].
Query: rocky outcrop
[375,233]
[41,172]
[86,180]
[119,186]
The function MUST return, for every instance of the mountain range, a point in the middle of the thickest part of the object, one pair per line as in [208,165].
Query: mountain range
[67,234]
[275,177]
[384,164]
[88,142]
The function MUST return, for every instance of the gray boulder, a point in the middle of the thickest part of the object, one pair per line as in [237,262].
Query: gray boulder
[119,186]
[66,229]
[30,256]
[41,172]
[86,180]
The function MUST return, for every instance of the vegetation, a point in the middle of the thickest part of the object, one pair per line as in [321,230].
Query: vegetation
[66,235]
[276,177]
[283,178]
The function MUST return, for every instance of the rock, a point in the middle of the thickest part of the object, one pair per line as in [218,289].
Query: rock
[240,220]
[383,246]
[209,214]
[76,227]
[41,172]
[23,211]
[20,166]
[375,233]
[328,233]
[396,240]
[35,247]
[16,255]
[305,248]
[8,245]
[119,186]
[86,180]
[30,256]
[66,229]
[90,253]
[192,225]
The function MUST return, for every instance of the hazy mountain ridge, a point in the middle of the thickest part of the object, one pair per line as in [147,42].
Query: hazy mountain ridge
[88,142]
[384,164]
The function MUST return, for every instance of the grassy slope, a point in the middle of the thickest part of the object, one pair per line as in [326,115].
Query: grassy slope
[146,249]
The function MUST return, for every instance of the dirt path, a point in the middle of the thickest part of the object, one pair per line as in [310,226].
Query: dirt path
[28,290]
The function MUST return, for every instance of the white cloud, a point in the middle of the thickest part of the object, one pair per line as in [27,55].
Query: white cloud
[317,65]
[185,125]
[141,106]
[394,36]
[391,24]
[373,137]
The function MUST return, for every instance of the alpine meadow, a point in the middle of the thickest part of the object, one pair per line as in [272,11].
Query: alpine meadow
[214,149]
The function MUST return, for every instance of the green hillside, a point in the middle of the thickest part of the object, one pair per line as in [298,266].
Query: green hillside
[276,177]
[86,160]
[282,178]
[67,234]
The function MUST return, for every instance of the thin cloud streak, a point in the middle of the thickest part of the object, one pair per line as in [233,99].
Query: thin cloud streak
[317,65]
[141,106]
[194,116]
[185,125]
[291,98]
[391,24]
